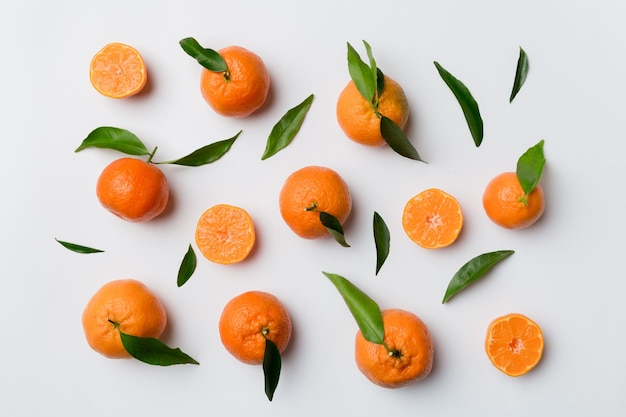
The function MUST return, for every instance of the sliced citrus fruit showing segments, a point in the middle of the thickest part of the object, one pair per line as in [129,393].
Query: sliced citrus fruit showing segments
[225,234]
[118,71]
[432,219]
[514,344]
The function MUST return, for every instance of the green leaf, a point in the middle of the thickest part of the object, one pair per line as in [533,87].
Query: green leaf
[467,103]
[285,130]
[520,73]
[397,140]
[187,267]
[114,138]
[271,368]
[154,352]
[380,82]
[364,310]
[205,155]
[208,58]
[78,248]
[333,226]
[473,271]
[370,56]
[381,239]
[530,167]
[362,75]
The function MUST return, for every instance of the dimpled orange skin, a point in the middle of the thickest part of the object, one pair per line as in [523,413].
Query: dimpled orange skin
[246,88]
[313,186]
[129,303]
[243,320]
[405,333]
[133,190]
[501,204]
[356,116]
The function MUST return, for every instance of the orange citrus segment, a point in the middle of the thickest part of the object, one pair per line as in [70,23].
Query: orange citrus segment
[118,71]
[225,234]
[432,219]
[514,344]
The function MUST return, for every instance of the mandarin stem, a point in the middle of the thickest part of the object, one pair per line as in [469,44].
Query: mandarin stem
[151,155]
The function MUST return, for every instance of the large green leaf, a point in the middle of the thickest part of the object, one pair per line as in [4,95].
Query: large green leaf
[466,101]
[364,309]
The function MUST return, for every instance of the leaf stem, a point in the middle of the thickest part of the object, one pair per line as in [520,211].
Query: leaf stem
[151,155]
[523,199]
[312,207]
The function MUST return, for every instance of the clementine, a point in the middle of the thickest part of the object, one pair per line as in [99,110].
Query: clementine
[432,219]
[225,234]
[503,201]
[133,190]
[514,344]
[248,319]
[311,190]
[242,89]
[359,121]
[118,71]
[407,355]
[127,303]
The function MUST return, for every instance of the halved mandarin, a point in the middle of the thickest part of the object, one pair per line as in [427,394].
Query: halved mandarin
[432,219]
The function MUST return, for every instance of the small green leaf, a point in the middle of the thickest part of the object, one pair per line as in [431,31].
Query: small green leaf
[78,248]
[208,58]
[380,82]
[362,75]
[473,271]
[520,73]
[530,167]
[370,56]
[467,103]
[364,310]
[381,239]
[397,140]
[187,267]
[154,352]
[333,226]
[285,130]
[114,138]
[271,368]
[205,155]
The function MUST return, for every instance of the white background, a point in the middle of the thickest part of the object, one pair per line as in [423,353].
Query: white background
[567,273]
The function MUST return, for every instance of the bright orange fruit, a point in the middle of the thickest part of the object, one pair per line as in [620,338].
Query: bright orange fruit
[133,190]
[248,319]
[357,118]
[514,344]
[241,90]
[308,191]
[118,71]
[131,305]
[503,205]
[225,234]
[432,219]
[410,354]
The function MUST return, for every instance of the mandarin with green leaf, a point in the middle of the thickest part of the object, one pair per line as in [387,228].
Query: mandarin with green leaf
[133,190]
